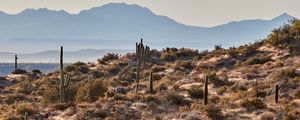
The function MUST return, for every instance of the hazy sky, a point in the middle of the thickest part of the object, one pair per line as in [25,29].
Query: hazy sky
[190,12]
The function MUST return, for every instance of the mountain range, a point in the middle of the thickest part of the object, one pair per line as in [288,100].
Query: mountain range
[52,56]
[119,26]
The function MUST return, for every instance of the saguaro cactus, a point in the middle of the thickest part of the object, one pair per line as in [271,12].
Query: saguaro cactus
[276,93]
[141,53]
[26,116]
[16,61]
[151,83]
[64,82]
[205,90]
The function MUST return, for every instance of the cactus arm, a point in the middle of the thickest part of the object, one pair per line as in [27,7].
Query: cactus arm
[67,80]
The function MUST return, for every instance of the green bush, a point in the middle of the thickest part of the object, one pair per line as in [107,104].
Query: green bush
[22,108]
[19,71]
[257,60]
[175,98]
[108,57]
[97,74]
[267,116]
[50,93]
[297,93]
[183,64]
[25,87]
[79,63]
[214,112]
[91,90]
[252,104]
[83,69]
[36,72]
[196,92]
[168,57]
[70,68]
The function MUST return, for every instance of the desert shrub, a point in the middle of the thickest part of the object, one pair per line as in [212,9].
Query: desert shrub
[247,50]
[25,87]
[119,97]
[22,108]
[280,36]
[70,68]
[267,116]
[70,92]
[214,99]
[123,63]
[167,49]
[233,53]
[261,93]
[127,77]
[79,64]
[252,104]
[286,73]
[183,64]
[2,78]
[10,99]
[36,72]
[51,92]
[108,57]
[214,112]
[221,90]
[163,85]
[168,57]
[257,60]
[157,68]
[175,98]
[60,106]
[83,69]
[197,106]
[218,47]
[113,69]
[150,98]
[10,117]
[19,71]
[196,92]
[133,97]
[215,80]
[297,93]
[90,90]
[97,74]
[186,53]
[292,114]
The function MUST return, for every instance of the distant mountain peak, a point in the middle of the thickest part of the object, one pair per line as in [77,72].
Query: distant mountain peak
[283,16]
[120,8]
[46,11]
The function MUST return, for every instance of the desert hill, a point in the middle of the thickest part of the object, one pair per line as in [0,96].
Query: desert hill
[241,85]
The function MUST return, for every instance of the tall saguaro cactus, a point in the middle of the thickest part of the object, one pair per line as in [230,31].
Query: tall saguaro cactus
[16,61]
[64,82]
[151,83]
[205,100]
[141,53]
[276,93]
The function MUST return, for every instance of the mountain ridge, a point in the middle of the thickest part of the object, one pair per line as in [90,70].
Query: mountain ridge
[123,22]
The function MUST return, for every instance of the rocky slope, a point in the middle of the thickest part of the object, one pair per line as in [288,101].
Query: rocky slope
[241,85]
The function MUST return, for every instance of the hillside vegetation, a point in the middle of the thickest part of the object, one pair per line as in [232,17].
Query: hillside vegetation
[242,84]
